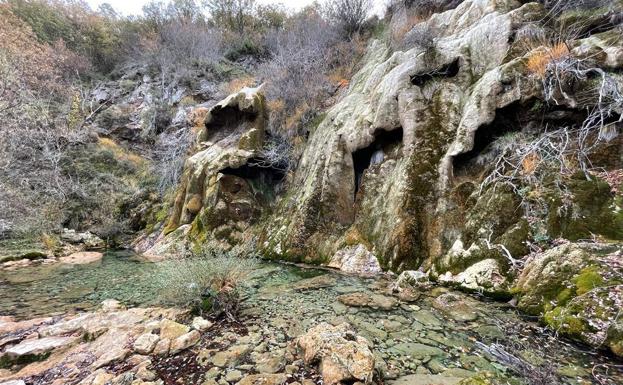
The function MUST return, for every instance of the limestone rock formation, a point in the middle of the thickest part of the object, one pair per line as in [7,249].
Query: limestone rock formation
[401,207]
[577,287]
[341,354]
[356,260]
[221,193]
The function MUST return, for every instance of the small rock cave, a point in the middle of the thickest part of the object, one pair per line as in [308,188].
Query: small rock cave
[383,144]
[227,120]
[264,182]
[449,70]
[529,117]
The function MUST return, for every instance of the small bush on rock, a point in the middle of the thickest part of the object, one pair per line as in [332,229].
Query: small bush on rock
[208,281]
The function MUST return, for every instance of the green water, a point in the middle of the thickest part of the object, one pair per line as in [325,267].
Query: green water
[452,347]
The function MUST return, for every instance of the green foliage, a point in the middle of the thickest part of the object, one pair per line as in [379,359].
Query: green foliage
[83,31]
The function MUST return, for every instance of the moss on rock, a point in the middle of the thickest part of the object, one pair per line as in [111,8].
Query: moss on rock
[577,288]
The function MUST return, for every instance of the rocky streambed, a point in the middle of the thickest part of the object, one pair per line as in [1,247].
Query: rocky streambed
[298,325]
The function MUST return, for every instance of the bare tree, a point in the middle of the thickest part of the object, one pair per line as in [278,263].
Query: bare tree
[230,13]
[350,14]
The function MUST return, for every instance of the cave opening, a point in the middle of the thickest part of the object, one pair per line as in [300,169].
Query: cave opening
[226,120]
[384,142]
[449,70]
[265,182]
[529,117]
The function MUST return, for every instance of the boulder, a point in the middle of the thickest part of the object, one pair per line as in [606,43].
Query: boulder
[82,258]
[37,348]
[88,239]
[576,289]
[485,276]
[171,329]
[184,341]
[201,324]
[342,355]
[162,347]
[356,260]
[13,382]
[146,343]
[230,357]
[109,305]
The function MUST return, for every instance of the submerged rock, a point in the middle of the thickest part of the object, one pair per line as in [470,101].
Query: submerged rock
[457,306]
[426,379]
[82,257]
[342,355]
[375,301]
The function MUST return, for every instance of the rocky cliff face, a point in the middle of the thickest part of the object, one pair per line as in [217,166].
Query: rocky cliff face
[396,166]
[404,171]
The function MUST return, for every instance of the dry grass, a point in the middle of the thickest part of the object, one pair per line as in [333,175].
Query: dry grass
[539,59]
[237,84]
[398,34]
[119,152]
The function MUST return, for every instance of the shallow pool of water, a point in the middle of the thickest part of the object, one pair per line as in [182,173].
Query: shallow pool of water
[285,301]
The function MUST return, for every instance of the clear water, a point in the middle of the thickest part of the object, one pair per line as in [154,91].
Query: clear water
[271,303]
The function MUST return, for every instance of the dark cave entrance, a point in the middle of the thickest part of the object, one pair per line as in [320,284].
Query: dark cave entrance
[227,120]
[375,153]
[529,117]
[265,182]
[507,120]
[449,70]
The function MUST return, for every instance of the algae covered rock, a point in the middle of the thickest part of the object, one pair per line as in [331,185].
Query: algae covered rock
[577,288]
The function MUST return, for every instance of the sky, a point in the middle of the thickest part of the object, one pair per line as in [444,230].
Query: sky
[134,7]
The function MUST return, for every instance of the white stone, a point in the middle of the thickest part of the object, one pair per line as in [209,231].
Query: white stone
[146,343]
[356,260]
[201,324]
[39,346]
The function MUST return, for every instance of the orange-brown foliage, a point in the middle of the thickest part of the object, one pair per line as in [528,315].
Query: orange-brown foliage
[539,59]
[40,66]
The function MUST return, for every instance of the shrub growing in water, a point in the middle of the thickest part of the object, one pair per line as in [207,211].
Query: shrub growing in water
[208,282]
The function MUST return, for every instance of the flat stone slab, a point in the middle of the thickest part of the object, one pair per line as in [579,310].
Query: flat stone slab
[82,258]
[375,301]
[39,346]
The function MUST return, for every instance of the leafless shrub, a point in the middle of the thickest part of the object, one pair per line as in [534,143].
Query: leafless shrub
[566,81]
[277,154]
[170,150]
[556,6]
[421,35]
[296,72]
[422,8]
[349,14]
